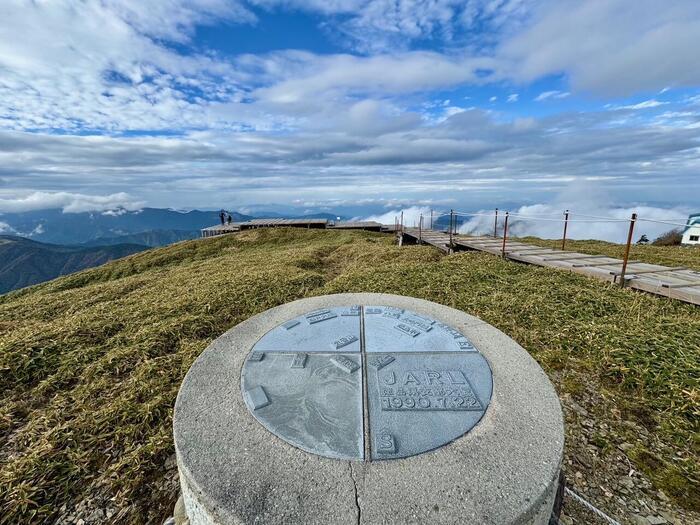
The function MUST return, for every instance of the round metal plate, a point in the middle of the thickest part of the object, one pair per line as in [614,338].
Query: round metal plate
[372,382]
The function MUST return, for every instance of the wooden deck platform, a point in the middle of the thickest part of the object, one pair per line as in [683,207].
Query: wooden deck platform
[356,225]
[677,283]
[221,229]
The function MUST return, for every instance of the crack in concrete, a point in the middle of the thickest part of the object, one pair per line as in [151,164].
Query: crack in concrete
[357,497]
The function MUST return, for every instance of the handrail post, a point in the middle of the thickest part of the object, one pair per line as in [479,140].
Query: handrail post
[402,222]
[420,229]
[505,235]
[431,219]
[495,224]
[566,223]
[627,250]
[452,213]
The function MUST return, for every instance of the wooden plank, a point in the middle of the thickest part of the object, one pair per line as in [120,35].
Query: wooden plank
[580,256]
[538,248]
[616,261]
[481,241]
[679,285]
[477,245]
[529,254]
[656,270]
[688,295]
[559,253]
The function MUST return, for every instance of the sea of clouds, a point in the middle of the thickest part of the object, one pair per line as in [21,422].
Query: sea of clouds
[546,220]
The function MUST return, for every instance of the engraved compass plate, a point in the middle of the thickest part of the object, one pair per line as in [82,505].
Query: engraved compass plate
[425,383]
[394,330]
[325,330]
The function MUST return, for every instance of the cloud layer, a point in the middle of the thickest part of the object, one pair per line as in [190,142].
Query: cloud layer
[69,202]
[116,97]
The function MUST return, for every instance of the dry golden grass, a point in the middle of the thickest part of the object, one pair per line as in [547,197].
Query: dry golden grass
[90,364]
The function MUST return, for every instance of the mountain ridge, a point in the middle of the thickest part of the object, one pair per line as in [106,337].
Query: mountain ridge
[56,227]
[150,238]
[25,262]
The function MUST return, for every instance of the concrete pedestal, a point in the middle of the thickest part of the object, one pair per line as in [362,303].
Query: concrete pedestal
[234,470]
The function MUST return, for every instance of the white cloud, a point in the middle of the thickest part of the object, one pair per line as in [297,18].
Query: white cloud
[493,99]
[370,149]
[176,20]
[302,77]
[609,47]
[513,97]
[546,221]
[6,229]
[411,216]
[647,104]
[390,25]
[545,95]
[68,202]
[105,65]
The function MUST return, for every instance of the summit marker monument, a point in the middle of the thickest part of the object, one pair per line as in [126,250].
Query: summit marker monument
[367,408]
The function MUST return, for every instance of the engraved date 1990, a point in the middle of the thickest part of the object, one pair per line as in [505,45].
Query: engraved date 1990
[430,403]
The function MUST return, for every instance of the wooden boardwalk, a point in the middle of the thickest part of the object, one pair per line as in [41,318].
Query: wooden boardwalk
[677,283]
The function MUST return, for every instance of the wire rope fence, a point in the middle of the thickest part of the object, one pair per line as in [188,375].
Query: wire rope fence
[567,217]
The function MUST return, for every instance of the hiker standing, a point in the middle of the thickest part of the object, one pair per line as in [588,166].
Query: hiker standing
[222,216]
[228,219]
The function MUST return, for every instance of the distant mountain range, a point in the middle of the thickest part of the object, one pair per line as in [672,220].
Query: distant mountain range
[149,226]
[24,262]
[56,227]
[151,238]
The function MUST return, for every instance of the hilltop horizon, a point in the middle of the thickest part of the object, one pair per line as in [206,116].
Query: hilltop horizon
[82,222]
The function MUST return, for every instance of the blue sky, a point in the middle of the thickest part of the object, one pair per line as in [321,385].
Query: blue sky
[335,104]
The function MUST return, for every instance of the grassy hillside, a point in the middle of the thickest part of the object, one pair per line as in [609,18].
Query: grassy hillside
[90,364]
[24,262]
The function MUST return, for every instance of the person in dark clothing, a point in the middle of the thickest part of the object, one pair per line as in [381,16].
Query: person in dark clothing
[222,216]
[228,219]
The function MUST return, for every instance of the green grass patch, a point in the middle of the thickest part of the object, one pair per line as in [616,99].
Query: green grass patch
[90,364]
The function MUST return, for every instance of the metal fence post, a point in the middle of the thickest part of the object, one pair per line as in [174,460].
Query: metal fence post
[495,224]
[452,213]
[627,249]
[566,223]
[505,235]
